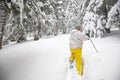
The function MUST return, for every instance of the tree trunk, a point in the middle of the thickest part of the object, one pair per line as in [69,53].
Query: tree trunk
[1,32]
[0,28]
[0,41]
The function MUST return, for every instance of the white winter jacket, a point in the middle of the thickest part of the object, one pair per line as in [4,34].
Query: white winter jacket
[76,39]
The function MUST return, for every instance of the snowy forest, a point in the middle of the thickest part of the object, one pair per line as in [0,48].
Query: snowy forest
[20,19]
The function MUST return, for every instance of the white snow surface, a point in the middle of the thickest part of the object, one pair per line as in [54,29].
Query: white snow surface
[47,59]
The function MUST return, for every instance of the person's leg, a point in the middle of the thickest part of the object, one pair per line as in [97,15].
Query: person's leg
[72,57]
[79,63]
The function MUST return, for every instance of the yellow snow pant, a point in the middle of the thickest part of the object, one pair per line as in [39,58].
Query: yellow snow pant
[76,54]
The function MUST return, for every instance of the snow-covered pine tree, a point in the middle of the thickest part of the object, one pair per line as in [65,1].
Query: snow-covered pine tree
[3,17]
[113,14]
[39,18]
[100,16]
[34,17]
[73,12]
[95,18]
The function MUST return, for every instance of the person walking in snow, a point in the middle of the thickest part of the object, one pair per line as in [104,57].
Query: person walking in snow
[76,43]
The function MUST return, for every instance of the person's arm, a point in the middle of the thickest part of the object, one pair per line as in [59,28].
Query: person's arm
[85,37]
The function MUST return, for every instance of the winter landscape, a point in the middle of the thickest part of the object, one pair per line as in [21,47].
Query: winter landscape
[34,39]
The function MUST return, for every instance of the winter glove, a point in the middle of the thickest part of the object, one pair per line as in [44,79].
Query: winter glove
[87,34]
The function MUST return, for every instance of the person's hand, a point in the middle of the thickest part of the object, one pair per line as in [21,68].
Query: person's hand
[87,34]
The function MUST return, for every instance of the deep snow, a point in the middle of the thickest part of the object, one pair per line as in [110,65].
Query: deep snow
[47,59]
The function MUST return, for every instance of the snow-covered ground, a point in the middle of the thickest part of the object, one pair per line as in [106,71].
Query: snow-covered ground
[47,59]
[103,65]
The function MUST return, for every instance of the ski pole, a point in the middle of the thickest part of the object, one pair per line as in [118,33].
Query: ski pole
[92,42]
[93,45]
